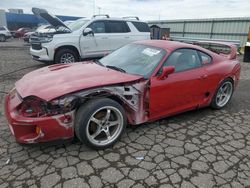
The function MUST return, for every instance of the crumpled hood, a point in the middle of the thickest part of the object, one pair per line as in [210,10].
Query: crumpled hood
[56,80]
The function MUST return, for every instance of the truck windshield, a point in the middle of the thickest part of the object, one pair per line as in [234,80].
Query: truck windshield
[135,59]
[77,24]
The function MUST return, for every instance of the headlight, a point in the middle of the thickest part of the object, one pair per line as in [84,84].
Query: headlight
[35,107]
[32,107]
[64,104]
[46,39]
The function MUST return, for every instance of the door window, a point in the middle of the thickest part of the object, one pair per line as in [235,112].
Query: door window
[205,59]
[118,27]
[142,27]
[183,59]
[98,27]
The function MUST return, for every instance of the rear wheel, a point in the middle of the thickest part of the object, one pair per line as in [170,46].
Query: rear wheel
[100,123]
[223,94]
[2,38]
[66,56]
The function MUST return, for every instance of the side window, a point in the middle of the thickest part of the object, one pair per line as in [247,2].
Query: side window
[183,59]
[205,59]
[98,27]
[2,28]
[118,27]
[142,27]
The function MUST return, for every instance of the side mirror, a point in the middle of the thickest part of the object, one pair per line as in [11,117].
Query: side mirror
[166,71]
[87,31]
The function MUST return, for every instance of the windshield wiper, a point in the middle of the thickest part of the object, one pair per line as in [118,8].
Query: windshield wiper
[115,68]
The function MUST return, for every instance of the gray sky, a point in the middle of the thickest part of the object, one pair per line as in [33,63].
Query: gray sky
[145,9]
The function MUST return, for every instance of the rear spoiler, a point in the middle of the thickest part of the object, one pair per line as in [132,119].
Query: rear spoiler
[225,49]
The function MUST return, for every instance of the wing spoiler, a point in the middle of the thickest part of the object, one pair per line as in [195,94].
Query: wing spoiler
[225,49]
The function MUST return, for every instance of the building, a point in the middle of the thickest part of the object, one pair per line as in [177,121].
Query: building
[16,20]
[16,11]
[3,21]
[218,28]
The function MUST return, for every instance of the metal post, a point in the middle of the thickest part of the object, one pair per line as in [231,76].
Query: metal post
[99,10]
[212,29]
[184,28]
[93,7]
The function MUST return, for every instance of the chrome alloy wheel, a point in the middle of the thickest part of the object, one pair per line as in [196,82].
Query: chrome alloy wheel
[67,58]
[104,126]
[224,94]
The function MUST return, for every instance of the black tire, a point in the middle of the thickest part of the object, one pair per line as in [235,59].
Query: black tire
[214,104]
[62,52]
[2,38]
[83,119]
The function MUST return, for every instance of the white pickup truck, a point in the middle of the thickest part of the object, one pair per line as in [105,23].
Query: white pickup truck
[85,38]
[4,34]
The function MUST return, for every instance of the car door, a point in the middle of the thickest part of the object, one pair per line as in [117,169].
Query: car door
[182,89]
[119,34]
[210,77]
[97,44]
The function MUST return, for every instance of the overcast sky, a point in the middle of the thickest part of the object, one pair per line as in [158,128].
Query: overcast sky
[145,9]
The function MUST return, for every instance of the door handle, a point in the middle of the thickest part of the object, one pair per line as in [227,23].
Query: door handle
[203,76]
[104,37]
[126,37]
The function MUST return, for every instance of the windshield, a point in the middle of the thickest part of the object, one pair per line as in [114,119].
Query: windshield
[77,24]
[135,59]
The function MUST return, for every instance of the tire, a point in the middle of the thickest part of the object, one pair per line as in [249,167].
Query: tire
[65,56]
[2,38]
[216,102]
[100,123]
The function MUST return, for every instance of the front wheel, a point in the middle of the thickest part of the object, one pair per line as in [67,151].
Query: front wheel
[223,94]
[100,123]
[66,56]
[2,38]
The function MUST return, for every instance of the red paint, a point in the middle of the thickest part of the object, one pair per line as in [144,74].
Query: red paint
[53,81]
[159,98]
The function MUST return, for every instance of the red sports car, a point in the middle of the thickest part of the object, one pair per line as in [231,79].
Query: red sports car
[21,31]
[140,82]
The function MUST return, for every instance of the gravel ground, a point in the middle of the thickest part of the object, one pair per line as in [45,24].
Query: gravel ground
[201,148]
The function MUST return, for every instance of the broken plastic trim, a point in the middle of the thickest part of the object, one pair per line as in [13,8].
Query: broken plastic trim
[133,96]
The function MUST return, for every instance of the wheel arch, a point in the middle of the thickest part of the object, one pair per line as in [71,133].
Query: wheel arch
[71,47]
[112,96]
[230,77]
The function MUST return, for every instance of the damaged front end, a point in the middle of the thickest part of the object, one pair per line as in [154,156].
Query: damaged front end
[132,96]
[33,120]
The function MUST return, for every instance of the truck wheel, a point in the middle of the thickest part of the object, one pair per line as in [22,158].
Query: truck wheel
[66,56]
[223,94]
[2,38]
[100,123]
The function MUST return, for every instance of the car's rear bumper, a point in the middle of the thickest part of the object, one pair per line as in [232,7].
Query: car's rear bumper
[40,129]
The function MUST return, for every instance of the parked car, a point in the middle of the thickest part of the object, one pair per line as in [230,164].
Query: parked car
[85,38]
[21,31]
[40,31]
[26,36]
[46,29]
[140,82]
[4,34]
